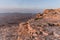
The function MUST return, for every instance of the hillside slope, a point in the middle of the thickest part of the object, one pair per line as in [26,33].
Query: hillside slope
[9,24]
[45,26]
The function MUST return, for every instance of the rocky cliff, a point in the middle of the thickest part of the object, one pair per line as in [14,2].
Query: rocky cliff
[44,26]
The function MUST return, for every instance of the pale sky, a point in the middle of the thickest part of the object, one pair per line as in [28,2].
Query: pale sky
[40,4]
[28,6]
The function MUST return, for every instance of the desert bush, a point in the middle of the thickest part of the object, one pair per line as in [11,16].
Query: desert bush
[51,24]
[38,18]
[38,25]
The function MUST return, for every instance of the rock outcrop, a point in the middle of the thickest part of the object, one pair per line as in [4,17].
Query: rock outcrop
[46,27]
[39,15]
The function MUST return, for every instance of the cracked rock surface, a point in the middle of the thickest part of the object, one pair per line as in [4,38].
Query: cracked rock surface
[43,27]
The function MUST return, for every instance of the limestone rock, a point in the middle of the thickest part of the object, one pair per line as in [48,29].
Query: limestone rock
[39,15]
[47,28]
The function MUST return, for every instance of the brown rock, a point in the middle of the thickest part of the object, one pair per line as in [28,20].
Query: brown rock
[39,15]
[48,11]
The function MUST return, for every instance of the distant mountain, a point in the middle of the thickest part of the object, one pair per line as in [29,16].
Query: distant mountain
[20,10]
[14,18]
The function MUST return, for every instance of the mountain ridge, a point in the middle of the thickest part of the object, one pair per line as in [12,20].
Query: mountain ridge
[43,27]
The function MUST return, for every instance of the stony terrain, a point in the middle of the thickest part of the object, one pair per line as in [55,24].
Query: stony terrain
[45,26]
[9,24]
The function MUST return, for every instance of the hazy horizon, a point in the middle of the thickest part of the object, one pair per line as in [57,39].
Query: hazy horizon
[16,10]
[31,6]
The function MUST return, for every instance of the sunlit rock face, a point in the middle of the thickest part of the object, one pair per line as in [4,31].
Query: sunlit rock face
[44,26]
[52,14]
[39,15]
[49,11]
[58,9]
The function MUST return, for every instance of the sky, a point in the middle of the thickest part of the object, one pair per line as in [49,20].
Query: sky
[30,4]
[27,6]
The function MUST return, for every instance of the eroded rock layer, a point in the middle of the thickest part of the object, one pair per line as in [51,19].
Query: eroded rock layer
[45,26]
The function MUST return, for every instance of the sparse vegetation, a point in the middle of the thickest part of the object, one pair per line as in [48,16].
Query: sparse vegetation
[51,24]
[38,18]
[39,25]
